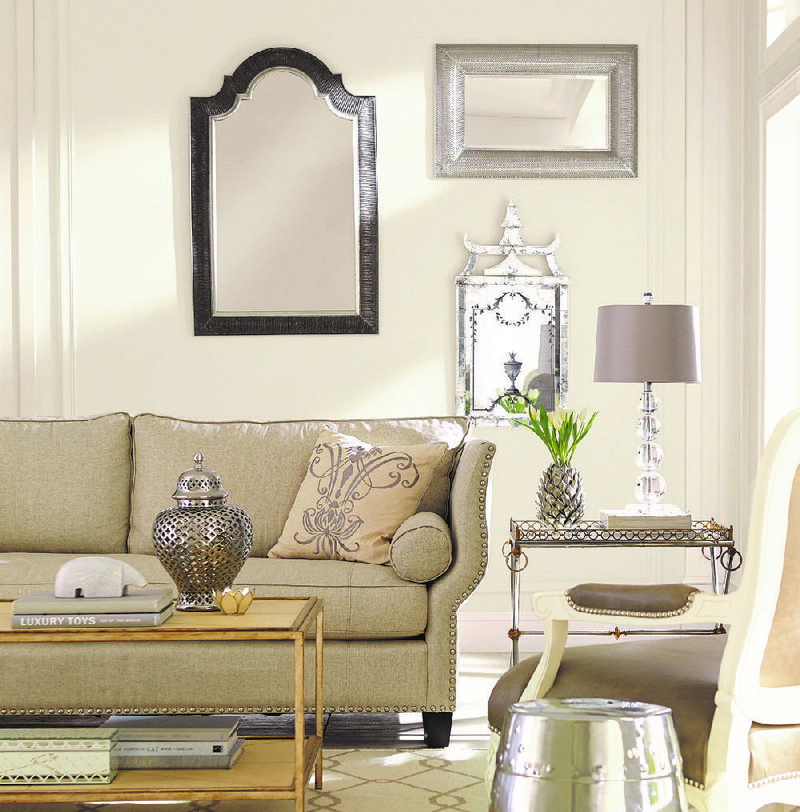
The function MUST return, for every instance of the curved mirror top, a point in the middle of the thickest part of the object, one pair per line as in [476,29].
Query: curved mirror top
[284,202]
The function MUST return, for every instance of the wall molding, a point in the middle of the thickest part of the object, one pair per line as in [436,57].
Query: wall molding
[36,308]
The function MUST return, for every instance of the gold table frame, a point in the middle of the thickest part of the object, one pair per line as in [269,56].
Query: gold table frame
[268,768]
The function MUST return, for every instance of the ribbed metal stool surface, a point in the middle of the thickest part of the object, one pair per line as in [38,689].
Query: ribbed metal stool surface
[588,755]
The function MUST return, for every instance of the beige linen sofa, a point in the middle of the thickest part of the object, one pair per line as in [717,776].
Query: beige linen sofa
[94,486]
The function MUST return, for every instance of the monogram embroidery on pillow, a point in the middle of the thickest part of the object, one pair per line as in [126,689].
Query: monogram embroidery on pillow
[345,476]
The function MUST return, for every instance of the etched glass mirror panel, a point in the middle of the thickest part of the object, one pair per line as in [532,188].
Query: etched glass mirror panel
[512,327]
[284,202]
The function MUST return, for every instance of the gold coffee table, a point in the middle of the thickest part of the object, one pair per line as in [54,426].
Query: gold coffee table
[267,769]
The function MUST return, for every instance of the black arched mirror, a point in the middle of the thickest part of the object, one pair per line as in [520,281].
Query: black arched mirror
[284,202]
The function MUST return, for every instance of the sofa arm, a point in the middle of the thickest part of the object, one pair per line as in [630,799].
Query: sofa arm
[469,497]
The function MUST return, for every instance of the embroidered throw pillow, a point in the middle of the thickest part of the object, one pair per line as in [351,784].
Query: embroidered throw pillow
[354,497]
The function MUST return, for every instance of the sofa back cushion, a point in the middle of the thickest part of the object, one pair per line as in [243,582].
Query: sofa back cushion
[65,485]
[262,465]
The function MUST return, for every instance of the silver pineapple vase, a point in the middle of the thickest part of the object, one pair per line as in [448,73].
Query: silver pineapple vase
[202,541]
[560,496]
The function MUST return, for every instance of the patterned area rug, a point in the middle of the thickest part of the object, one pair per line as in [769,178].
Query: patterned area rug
[353,781]
[430,780]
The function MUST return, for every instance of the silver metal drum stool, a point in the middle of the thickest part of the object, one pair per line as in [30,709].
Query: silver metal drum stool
[588,755]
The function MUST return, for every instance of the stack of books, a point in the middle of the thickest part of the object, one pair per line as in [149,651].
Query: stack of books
[57,756]
[633,519]
[139,607]
[176,742]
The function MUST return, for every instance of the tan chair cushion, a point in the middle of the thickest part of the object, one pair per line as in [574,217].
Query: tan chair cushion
[422,548]
[781,664]
[65,484]
[680,673]
[660,600]
[774,751]
[354,497]
[262,465]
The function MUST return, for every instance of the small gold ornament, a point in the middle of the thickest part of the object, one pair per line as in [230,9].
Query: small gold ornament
[233,603]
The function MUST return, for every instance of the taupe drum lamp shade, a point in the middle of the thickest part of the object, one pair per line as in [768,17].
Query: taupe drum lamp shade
[647,343]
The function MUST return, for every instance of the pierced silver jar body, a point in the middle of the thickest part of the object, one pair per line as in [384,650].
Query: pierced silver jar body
[202,541]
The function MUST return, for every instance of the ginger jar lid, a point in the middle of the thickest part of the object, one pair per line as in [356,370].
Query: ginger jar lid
[199,486]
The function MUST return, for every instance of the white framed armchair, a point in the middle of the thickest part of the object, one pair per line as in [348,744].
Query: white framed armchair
[735,697]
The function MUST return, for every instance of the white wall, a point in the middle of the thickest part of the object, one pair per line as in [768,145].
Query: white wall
[95,280]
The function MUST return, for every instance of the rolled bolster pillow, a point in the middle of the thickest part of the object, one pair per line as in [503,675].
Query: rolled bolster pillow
[421,549]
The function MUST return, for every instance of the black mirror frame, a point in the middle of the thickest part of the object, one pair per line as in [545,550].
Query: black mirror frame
[359,108]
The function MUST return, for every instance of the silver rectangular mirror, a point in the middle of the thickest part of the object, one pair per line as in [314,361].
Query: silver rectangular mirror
[516,111]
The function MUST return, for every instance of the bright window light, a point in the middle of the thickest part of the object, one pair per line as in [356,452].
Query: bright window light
[782,265]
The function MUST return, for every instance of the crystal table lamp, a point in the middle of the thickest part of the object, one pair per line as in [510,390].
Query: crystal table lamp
[648,344]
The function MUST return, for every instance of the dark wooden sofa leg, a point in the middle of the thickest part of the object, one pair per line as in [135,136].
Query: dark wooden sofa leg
[437,725]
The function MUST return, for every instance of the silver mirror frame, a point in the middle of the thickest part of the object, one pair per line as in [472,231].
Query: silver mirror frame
[496,312]
[361,109]
[617,62]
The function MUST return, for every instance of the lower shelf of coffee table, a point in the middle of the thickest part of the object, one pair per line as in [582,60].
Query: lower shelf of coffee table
[265,770]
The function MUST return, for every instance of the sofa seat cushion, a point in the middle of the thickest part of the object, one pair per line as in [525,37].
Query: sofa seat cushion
[361,601]
[23,573]
[262,465]
[65,484]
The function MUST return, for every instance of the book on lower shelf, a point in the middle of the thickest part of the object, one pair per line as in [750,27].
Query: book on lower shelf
[176,742]
[174,727]
[633,520]
[57,756]
[182,761]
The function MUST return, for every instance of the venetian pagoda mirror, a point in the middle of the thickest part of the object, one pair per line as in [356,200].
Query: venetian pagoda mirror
[284,201]
[512,327]
[547,111]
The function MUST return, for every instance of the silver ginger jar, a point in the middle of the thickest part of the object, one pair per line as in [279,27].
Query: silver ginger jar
[202,542]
